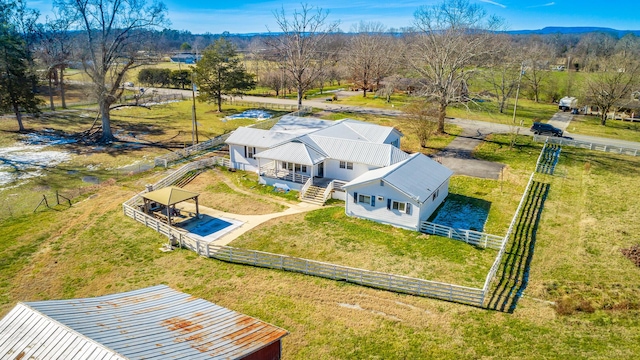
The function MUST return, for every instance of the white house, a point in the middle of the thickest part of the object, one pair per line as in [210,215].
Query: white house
[297,150]
[403,194]
[323,159]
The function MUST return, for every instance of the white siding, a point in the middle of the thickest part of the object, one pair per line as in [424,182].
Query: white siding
[332,170]
[393,139]
[379,212]
[238,161]
[429,206]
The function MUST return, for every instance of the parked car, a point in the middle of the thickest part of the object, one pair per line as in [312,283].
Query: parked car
[128,84]
[541,128]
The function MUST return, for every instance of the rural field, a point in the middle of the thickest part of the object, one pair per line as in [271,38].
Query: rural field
[581,300]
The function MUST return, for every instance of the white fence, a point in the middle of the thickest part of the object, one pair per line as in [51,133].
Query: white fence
[503,246]
[385,281]
[476,238]
[588,145]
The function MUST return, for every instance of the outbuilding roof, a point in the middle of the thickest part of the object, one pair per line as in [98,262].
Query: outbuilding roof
[170,195]
[417,177]
[151,323]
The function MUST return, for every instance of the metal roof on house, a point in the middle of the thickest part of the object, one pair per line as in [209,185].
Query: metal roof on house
[356,151]
[170,195]
[151,323]
[357,130]
[300,125]
[417,177]
[258,137]
[295,152]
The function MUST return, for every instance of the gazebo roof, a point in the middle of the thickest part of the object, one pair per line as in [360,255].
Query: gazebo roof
[170,195]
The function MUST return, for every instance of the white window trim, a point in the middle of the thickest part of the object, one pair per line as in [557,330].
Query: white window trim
[361,197]
[399,205]
[346,165]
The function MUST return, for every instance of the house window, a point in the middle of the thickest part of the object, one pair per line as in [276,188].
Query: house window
[249,152]
[367,199]
[346,165]
[301,168]
[400,206]
[435,195]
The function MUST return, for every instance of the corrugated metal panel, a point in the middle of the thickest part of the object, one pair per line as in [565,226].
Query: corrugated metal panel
[294,152]
[372,132]
[341,131]
[161,323]
[258,138]
[27,334]
[358,151]
[300,125]
[418,177]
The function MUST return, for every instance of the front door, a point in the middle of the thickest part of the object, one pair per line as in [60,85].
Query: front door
[321,170]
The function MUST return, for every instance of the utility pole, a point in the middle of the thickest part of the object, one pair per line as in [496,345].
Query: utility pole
[515,106]
[194,124]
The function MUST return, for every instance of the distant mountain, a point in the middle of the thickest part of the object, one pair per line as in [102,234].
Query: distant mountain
[574,30]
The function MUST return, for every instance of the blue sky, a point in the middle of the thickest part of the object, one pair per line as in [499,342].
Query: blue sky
[248,16]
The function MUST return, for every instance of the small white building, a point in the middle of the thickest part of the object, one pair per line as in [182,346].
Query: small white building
[403,194]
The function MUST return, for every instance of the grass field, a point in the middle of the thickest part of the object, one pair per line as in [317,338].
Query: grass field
[329,235]
[615,129]
[91,249]
[581,301]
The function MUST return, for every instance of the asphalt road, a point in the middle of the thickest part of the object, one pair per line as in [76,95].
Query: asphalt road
[560,119]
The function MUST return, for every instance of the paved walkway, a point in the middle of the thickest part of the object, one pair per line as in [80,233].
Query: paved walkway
[248,221]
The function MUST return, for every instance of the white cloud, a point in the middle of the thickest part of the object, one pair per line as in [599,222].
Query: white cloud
[542,5]
[493,3]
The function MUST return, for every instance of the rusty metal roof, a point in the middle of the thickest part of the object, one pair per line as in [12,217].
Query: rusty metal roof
[151,323]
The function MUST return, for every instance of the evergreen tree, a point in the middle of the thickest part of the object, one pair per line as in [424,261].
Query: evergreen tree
[16,93]
[220,72]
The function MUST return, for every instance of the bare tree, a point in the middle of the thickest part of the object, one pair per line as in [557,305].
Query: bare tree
[54,52]
[537,70]
[422,120]
[607,88]
[451,38]
[503,70]
[110,28]
[302,36]
[365,57]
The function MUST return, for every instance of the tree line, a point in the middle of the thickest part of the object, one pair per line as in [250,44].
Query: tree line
[449,47]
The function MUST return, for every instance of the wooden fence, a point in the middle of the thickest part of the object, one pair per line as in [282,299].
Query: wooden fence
[385,281]
[476,238]
[503,246]
[588,145]
[548,158]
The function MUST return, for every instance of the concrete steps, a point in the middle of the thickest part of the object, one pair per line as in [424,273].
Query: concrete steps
[314,195]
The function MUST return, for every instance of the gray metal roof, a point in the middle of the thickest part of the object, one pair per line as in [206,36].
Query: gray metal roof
[27,334]
[155,323]
[258,138]
[417,177]
[294,152]
[356,151]
[357,130]
[300,125]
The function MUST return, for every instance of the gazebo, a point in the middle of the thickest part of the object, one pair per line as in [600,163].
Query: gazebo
[168,197]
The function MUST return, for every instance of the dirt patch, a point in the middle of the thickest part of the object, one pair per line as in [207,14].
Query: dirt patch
[214,193]
[633,254]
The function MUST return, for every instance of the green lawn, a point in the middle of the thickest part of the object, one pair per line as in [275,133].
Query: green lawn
[528,112]
[329,235]
[615,129]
